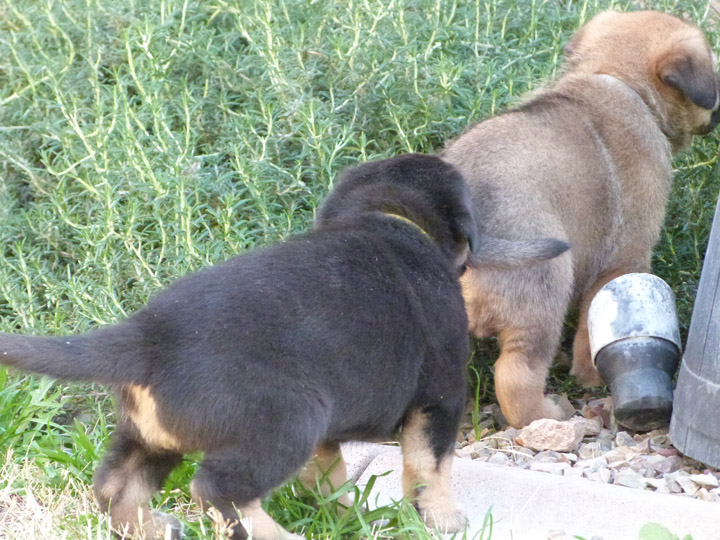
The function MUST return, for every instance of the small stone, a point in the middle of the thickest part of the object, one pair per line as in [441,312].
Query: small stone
[562,401]
[593,464]
[548,456]
[521,456]
[591,426]
[499,458]
[672,484]
[481,453]
[506,439]
[616,456]
[623,438]
[605,435]
[603,475]
[656,483]
[552,468]
[654,460]
[670,465]
[705,480]
[704,495]
[639,464]
[548,434]
[667,452]
[687,485]
[573,472]
[590,450]
[629,480]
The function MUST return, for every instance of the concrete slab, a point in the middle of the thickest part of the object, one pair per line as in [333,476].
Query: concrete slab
[528,505]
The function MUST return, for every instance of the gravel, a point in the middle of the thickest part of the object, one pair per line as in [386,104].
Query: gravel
[606,453]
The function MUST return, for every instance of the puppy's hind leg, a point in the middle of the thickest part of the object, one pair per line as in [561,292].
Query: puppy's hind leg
[235,479]
[328,469]
[125,482]
[521,372]
[427,440]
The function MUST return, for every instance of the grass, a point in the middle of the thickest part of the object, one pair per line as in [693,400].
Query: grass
[140,141]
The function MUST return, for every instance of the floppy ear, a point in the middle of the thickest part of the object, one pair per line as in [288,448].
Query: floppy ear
[693,76]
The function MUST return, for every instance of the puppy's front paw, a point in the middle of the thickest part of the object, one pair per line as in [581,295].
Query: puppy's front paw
[443,516]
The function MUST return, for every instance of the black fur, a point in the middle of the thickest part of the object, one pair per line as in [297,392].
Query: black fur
[334,335]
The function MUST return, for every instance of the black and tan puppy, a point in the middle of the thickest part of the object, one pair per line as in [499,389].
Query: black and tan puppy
[588,160]
[351,331]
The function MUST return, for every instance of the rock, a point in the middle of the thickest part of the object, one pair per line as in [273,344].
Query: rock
[593,464]
[705,480]
[629,480]
[548,456]
[603,475]
[656,483]
[573,472]
[506,439]
[605,437]
[481,452]
[639,464]
[617,456]
[669,465]
[590,450]
[687,485]
[672,484]
[552,468]
[704,495]
[591,426]
[562,401]
[623,438]
[499,458]
[521,455]
[548,434]
[667,452]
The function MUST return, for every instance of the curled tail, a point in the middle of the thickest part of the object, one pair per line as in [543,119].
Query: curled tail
[502,253]
[107,355]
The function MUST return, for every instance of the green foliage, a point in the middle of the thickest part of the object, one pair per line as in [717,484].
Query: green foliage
[653,531]
[143,140]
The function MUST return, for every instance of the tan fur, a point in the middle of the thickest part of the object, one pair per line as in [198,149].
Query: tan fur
[130,492]
[260,526]
[426,480]
[327,468]
[141,409]
[588,160]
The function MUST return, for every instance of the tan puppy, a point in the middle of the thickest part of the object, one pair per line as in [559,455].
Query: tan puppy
[586,159]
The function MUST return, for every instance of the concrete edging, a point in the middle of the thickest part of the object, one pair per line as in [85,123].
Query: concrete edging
[528,505]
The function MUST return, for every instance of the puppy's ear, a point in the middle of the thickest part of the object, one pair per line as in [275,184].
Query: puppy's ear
[692,75]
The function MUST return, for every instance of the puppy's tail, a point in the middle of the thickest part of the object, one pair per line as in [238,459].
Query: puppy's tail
[501,253]
[106,355]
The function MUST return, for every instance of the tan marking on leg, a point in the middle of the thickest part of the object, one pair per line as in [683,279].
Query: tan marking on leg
[426,480]
[261,526]
[129,494]
[142,411]
[327,468]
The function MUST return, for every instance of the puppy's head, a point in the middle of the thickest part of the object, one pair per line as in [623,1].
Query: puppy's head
[667,61]
[420,188]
